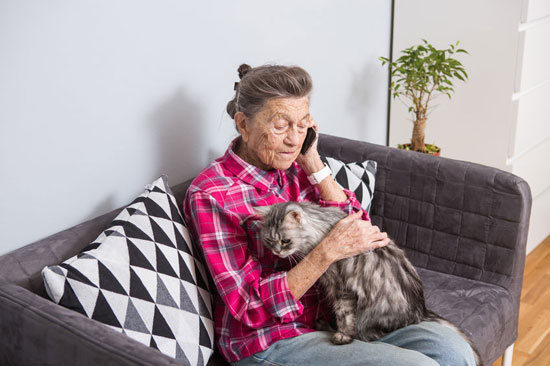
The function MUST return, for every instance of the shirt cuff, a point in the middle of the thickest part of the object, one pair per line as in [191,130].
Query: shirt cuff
[278,299]
[349,206]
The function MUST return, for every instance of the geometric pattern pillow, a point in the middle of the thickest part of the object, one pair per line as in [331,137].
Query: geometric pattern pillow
[141,278]
[356,177]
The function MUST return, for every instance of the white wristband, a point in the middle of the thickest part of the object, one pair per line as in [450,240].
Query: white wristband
[318,177]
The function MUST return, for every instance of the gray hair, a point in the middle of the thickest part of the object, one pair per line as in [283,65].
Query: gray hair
[259,84]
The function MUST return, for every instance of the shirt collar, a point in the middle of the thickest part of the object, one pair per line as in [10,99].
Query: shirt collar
[249,173]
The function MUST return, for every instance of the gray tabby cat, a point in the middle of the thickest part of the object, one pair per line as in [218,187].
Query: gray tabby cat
[372,294]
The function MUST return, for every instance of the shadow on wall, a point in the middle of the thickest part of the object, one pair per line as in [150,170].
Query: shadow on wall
[106,205]
[178,130]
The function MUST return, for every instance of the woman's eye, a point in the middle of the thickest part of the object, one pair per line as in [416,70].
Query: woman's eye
[280,124]
[281,127]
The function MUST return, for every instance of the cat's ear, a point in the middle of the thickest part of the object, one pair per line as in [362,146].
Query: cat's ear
[261,210]
[295,216]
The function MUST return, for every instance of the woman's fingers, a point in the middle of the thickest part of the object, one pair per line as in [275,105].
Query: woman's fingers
[381,243]
[352,236]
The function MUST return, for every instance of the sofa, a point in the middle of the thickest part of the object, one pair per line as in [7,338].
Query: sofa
[463,225]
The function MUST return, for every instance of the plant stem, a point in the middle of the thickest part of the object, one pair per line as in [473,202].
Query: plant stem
[417,141]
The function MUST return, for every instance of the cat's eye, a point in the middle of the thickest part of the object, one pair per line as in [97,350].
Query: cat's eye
[285,241]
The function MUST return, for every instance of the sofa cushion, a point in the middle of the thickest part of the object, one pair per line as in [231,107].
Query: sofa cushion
[141,277]
[482,310]
[358,177]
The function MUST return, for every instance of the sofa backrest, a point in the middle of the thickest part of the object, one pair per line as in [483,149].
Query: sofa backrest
[431,206]
[22,266]
[451,216]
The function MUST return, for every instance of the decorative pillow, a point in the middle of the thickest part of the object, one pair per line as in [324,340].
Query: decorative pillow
[141,277]
[357,177]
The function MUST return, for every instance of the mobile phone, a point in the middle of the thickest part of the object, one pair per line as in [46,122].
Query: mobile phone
[310,137]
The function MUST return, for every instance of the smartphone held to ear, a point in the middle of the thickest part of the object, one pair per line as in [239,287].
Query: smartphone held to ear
[310,137]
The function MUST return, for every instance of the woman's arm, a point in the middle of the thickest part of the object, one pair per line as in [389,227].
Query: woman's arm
[349,237]
[303,275]
[328,188]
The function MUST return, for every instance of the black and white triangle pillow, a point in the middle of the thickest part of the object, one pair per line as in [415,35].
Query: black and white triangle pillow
[141,277]
[358,177]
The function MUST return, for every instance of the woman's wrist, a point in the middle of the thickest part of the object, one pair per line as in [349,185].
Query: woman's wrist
[313,165]
[322,253]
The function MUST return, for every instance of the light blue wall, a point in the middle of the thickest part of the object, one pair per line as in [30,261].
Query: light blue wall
[98,99]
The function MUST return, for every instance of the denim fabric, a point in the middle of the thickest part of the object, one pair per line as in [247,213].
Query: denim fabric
[423,344]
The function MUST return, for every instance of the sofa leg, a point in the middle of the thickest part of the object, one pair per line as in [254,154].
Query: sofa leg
[507,357]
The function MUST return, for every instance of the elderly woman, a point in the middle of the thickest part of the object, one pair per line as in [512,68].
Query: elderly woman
[265,309]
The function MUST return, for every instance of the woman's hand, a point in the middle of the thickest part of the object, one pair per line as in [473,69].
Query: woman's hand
[352,236]
[311,160]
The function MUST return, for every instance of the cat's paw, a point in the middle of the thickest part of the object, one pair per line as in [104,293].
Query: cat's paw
[341,338]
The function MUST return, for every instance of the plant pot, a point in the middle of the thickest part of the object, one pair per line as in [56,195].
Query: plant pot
[430,149]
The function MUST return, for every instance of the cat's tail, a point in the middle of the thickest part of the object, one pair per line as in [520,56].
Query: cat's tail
[431,316]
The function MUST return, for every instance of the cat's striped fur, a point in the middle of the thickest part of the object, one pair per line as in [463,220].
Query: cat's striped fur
[372,294]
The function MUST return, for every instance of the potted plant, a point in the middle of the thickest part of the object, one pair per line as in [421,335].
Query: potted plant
[419,76]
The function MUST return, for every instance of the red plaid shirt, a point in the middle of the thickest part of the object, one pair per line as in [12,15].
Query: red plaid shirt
[254,307]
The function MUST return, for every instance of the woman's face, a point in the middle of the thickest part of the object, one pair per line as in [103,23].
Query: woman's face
[276,134]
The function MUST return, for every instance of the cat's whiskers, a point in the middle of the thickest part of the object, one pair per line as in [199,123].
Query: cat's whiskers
[296,257]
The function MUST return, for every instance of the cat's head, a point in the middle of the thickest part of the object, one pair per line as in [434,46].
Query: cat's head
[282,229]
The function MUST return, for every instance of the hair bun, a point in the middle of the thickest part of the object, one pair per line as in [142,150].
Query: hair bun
[243,70]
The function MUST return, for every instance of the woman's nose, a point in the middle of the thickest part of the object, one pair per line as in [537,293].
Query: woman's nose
[292,137]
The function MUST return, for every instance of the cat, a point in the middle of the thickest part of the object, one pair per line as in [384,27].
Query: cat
[372,294]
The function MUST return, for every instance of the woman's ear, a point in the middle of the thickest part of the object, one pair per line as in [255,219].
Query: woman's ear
[242,123]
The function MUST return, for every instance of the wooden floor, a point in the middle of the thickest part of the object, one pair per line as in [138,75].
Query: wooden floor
[532,347]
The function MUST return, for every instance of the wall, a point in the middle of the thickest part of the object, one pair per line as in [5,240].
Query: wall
[499,116]
[529,147]
[98,99]
[475,124]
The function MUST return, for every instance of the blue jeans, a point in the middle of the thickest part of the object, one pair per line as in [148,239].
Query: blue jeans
[426,344]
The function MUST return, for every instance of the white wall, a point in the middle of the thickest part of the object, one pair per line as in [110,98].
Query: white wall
[98,99]
[500,116]
[529,151]
[474,125]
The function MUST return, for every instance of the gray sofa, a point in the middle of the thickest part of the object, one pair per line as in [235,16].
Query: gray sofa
[463,225]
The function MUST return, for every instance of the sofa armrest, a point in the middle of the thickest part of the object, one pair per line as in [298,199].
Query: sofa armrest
[450,216]
[36,331]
